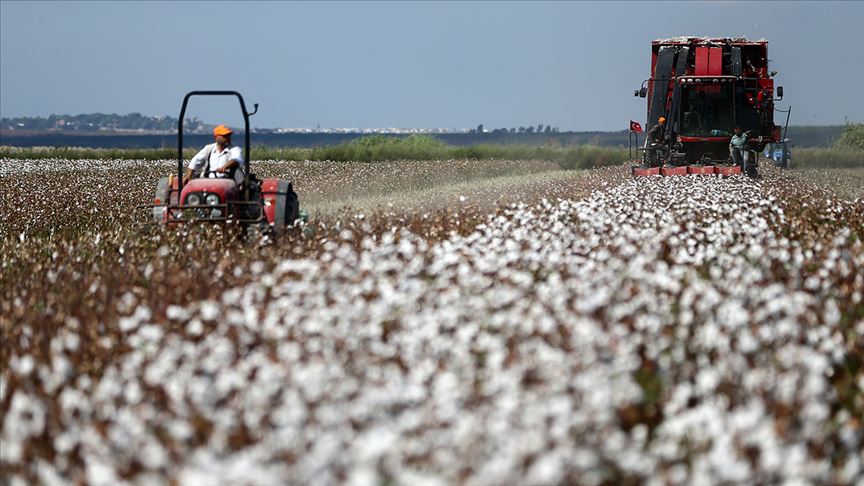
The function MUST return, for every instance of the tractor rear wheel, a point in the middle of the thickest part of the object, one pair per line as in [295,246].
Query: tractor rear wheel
[287,208]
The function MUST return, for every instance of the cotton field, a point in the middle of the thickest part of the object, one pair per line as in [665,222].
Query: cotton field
[686,330]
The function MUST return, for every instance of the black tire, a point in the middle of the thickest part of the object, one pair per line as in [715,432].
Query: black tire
[292,207]
[287,208]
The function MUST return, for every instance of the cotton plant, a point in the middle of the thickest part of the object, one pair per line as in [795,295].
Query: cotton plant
[674,330]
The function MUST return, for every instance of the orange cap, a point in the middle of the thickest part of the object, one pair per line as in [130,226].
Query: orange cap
[661,120]
[221,130]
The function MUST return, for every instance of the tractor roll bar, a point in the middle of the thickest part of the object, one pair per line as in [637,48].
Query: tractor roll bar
[246,115]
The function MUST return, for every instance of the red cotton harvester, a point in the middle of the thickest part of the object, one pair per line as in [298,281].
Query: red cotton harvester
[269,204]
[704,88]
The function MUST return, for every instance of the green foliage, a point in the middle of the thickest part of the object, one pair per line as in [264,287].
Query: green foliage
[812,135]
[825,158]
[852,137]
[381,147]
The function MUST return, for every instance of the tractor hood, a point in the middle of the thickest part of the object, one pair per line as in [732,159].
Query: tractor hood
[226,189]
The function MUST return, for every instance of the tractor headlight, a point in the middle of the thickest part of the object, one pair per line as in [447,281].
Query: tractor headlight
[216,213]
[212,199]
[193,200]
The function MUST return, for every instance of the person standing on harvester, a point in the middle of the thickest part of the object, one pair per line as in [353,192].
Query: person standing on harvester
[657,133]
[657,138]
[220,159]
[738,149]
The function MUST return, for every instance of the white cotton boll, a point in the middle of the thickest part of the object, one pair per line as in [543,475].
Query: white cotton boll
[74,403]
[71,341]
[61,370]
[374,443]
[100,473]
[12,450]
[48,474]
[133,393]
[832,313]
[418,478]
[363,475]
[176,313]
[209,310]
[494,471]
[66,441]
[548,469]
[195,327]
[150,333]
[22,366]
[678,474]
[180,430]
[153,455]
[141,314]
[26,416]
[201,469]
[852,470]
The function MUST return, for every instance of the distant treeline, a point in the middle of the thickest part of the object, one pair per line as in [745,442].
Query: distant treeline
[801,136]
[91,122]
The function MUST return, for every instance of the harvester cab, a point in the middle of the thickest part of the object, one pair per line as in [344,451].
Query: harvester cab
[261,204]
[704,87]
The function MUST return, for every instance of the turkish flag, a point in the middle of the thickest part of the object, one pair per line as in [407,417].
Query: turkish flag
[635,127]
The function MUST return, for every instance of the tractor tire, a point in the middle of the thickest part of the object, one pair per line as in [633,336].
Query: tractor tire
[287,208]
[292,207]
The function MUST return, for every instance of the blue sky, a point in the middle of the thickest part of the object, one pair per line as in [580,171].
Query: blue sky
[404,64]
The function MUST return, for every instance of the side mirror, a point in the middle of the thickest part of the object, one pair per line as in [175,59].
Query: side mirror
[636,93]
[643,92]
[780,92]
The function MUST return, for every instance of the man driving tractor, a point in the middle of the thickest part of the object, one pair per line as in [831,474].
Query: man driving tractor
[220,159]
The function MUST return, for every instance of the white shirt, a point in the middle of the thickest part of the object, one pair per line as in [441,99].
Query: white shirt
[216,159]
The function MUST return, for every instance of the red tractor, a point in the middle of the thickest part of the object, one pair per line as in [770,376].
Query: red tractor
[269,204]
[704,87]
